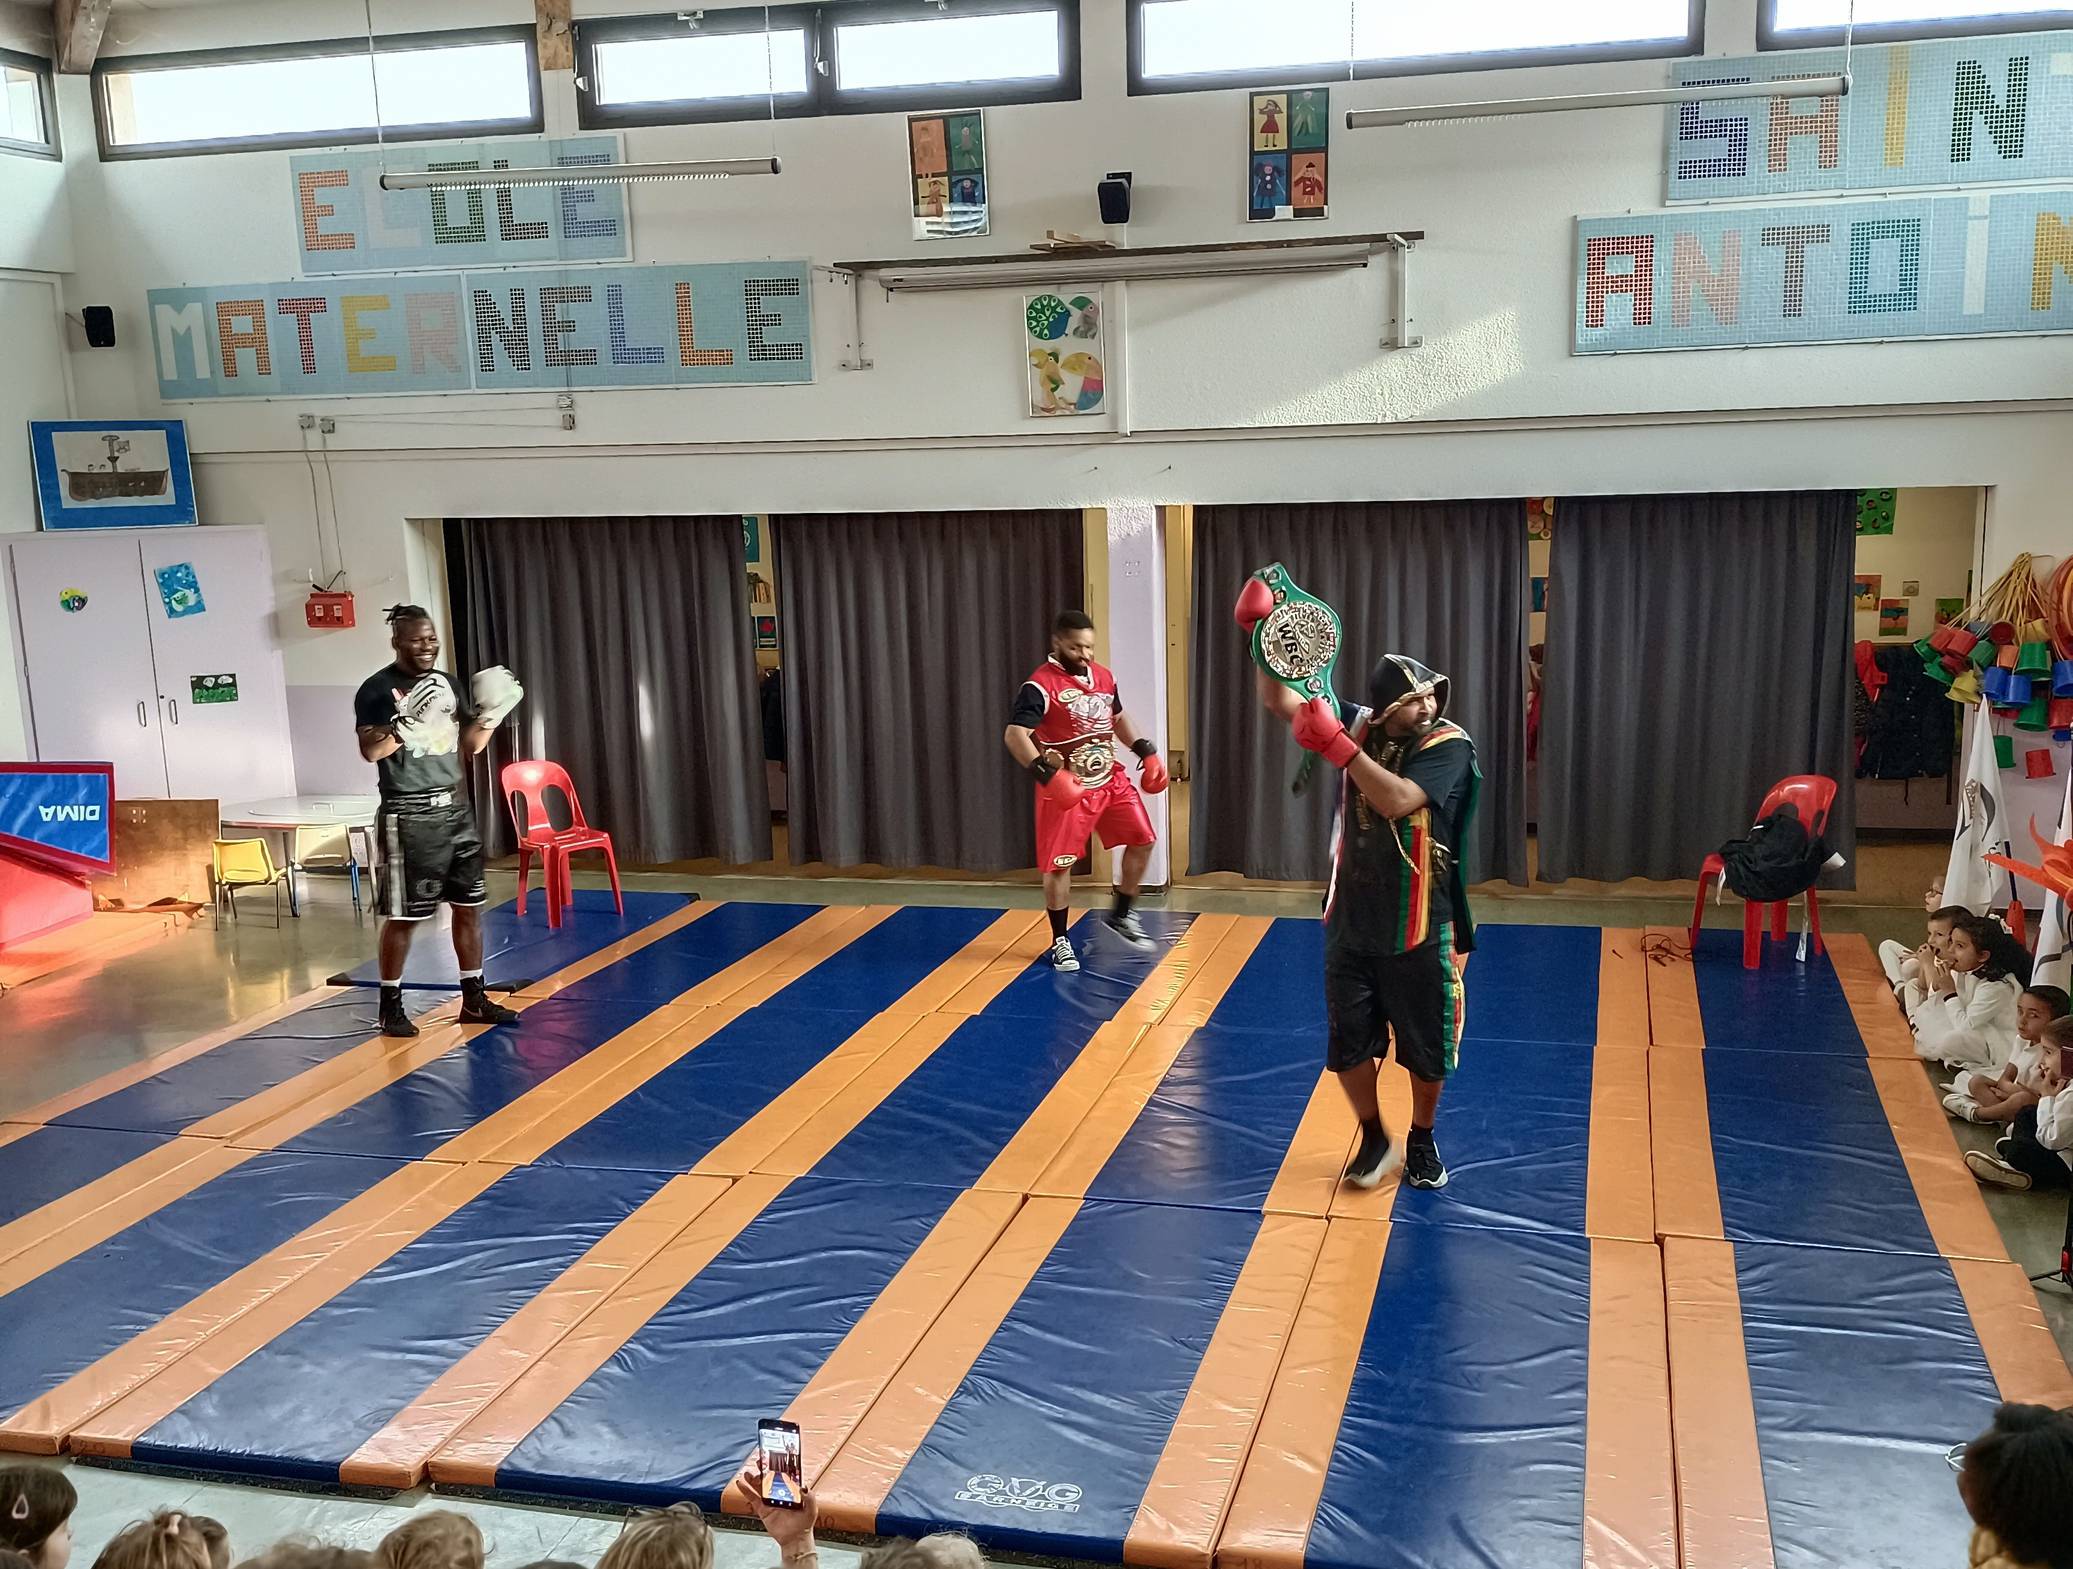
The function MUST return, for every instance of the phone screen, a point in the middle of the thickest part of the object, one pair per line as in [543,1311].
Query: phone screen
[783,1468]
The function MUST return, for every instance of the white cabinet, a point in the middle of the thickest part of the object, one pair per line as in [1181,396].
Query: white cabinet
[135,673]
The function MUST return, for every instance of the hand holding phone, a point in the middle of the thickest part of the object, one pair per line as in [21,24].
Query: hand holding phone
[780,1467]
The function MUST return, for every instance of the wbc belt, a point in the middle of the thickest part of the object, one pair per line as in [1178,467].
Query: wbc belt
[1298,643]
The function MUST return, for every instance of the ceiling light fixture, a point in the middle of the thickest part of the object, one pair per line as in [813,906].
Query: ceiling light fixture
[592,174]
[1500,108]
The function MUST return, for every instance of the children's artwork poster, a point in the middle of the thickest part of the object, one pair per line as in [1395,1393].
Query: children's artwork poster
[180,591]
[1875,511]
[212,689]
[766,631]
[1868,584]
[1948,611]
[123,473]
[1063,332]
[1892,618]
[946,175]
[1540,517]
[72,600]
[1286,154]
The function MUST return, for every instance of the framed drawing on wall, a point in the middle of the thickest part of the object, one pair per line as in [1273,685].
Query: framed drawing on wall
[118,473]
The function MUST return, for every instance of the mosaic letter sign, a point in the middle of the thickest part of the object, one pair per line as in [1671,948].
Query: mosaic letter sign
[1955,111]
[1945,266]
[345,222]
[723,323]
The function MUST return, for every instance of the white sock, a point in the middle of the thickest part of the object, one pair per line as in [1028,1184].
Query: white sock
[470,975]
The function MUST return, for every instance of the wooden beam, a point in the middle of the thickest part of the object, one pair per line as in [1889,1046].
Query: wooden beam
[557,38]
[75,26]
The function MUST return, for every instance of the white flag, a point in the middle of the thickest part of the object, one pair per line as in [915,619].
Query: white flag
[1983,827]
[2055,934]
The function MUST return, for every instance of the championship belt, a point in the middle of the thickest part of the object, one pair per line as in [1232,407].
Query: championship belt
[1297,643]
[1092,762]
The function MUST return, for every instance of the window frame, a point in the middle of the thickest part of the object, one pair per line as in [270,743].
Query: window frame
[1325,73]
[535,122]
[49,149]
[1768,36]
[824,95]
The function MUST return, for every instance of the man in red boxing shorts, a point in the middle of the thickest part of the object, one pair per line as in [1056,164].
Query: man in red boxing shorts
[1063,729]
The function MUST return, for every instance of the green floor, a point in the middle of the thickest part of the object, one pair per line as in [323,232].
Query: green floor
[64,1030]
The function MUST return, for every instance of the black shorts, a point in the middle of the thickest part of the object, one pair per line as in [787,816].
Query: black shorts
[429,856]
[1415,997]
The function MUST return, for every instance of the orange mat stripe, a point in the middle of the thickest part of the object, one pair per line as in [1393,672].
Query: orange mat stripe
[757,977]
[1673,988]
[1184,1504]
[1724,1519]
[1680,1128]
[472,1455]
[806,1143]
[1947,1192]
[2020,1349]
[1622,988]
[859,1369]
[1393,1097]
[612,953]
[1206,968]
[1311,1172]
[396,1456]
[1864,984]
[865,1468]
[1630,1486]
[1268,1526]
[1619,1199]
[1083,1155]
[1020,1165]
[193,1347]
[136,1072]
[10,1131]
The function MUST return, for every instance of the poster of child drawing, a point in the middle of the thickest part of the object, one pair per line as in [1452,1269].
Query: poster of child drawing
[1062,334]
[1285,153]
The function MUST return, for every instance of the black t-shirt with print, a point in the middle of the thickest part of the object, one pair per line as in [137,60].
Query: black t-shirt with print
[434,762]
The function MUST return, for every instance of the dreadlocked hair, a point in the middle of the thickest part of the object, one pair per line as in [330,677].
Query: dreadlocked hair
[397,615]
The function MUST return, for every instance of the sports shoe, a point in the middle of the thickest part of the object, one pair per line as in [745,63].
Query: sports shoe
[1376,1158]
[394,1021]
[1423,1167]
[478,1007]
[1131,930]
[1997,1173]
[1963,1107]
[1063,959]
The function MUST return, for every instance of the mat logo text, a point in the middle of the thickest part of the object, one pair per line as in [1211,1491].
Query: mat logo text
[70,814]
[1021,1492]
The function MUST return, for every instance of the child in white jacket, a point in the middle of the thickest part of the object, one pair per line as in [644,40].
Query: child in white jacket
[1984,1097]
[1907,968]
[2038,1152]
[1968,1017]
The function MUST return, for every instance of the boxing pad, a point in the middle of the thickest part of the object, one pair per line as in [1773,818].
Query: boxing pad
[1317,729]
[1255,600]
[497,692]
[1154,779]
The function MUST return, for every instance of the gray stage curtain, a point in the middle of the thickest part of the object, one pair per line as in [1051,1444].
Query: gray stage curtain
[632,638]
[1445,582]
[906,635]
[1699,650]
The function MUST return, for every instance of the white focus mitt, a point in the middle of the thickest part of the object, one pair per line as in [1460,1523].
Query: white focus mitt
[497,692]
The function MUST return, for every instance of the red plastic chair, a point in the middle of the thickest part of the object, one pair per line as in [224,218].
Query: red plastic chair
[1813,796]
[537,835]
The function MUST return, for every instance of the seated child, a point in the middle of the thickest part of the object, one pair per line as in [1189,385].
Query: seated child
[36,1505]
[168,1540]
[2014,1482]
[1976,1097]
[1904,965]
[1967,1018]
[432,1539]
[2038,1149]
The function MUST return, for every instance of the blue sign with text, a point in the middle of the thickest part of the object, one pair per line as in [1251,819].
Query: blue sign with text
[62,813]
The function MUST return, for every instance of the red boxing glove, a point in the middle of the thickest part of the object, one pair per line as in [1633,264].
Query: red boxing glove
[1063,787]
[1255,600]
[1154,779]
[1317,729]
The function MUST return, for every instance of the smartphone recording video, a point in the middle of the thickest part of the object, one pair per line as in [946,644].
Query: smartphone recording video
[784,1471]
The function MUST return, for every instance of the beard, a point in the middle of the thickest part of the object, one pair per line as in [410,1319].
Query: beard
[1072,667]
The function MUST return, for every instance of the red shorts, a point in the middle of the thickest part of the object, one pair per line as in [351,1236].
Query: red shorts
[1114,810]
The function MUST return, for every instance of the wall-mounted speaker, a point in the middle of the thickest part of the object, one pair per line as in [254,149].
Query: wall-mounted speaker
[99,322]
[1114,192]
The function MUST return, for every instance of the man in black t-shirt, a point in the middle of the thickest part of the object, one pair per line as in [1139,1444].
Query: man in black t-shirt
[1396,920]
[418,729]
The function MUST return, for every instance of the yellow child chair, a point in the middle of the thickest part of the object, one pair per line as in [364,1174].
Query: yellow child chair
[247,863]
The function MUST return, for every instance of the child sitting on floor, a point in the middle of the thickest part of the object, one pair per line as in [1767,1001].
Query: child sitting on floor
[168,1540]
[1906,967]
[1967,1020]
[36,1505]
[2038,1149]
[434,1539]
[2015,1481]
[1976,1097]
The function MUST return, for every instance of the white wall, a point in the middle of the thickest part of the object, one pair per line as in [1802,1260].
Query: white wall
[35,217]
[1239,390]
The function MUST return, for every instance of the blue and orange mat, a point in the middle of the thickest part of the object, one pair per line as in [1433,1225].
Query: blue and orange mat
[1060,1260]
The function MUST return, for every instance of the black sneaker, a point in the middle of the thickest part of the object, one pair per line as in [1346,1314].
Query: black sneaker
[394,1021]
[1423,1167]
[1131,930]
[1376,1158]
[478,1007]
